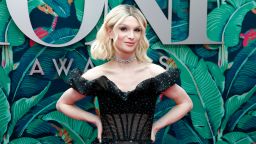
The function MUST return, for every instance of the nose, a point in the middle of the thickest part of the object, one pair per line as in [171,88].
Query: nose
[131,35]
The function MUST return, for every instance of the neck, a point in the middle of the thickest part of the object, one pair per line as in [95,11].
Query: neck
[124,61]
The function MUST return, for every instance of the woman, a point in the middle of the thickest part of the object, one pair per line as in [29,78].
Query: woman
[127,85]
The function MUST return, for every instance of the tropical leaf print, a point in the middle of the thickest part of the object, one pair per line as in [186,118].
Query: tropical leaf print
[241,77]
[21,107]
[220,79]
[224,23]
[81,132]
[196,80]
[60,7]
[5,115]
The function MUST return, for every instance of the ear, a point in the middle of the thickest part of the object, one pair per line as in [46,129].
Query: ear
[110,33]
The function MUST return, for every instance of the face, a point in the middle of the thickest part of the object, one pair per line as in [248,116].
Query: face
[128,34]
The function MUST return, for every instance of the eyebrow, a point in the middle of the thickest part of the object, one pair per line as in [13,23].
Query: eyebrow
[128,26]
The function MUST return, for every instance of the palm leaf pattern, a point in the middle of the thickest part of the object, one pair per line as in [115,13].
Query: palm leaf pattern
[220,79]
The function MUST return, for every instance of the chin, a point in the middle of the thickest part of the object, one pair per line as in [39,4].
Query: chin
[130,50]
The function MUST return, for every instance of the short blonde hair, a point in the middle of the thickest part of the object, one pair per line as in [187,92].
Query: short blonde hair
[102,47]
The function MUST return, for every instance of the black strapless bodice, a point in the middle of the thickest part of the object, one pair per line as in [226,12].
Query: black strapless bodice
[127,117]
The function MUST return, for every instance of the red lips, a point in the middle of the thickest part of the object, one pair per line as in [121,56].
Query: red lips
[131,43]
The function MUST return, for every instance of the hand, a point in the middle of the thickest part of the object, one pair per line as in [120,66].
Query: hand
[155,129]
[99,128]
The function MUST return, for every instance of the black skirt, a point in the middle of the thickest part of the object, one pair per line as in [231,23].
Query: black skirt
[111,141]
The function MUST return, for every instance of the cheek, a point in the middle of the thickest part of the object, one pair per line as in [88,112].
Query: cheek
[120,38]
[138,36]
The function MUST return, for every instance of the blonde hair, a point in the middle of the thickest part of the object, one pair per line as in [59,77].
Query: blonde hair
[102,47]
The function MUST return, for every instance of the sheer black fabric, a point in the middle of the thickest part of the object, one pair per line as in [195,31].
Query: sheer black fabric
[127,117]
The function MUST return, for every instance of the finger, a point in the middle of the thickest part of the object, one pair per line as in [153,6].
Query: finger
[99,133]
[152,135]
[153,138]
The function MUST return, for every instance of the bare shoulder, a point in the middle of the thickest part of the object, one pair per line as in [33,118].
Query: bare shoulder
[156,69]
[93,73]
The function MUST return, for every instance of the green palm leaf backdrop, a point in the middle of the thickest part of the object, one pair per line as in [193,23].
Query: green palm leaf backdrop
[220,79]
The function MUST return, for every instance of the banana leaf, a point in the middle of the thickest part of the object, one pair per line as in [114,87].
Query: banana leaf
[233,26]
[217,75]
[60,36]
[206,51]
[44,106]
[238,138]
[250,105]
[5,16]
[22,81]
[247,122]
[20,74]
[5,115]
[51,140]
[241,77]
[151,35]
[114,3]
[169,139]
[39,127]
[34,4]
[4,82]
[79,6]
[179,30]
[224,23]
[186,134]
[221,142]
[60,7]
[233,104]
[25,140]
[197,81]
[21,107]
[180,8]
[253,135]
[237,4]
[9,32]
[13,34]
[164,137]
[7,58]
[81,132]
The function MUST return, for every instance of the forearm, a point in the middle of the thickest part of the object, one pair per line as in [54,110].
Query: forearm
[175,114]
[75,112]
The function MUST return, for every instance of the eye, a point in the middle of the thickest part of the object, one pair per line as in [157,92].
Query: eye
[137,30]
[123,28]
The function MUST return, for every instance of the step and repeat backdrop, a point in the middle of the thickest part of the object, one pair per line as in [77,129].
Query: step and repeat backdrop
[212,42]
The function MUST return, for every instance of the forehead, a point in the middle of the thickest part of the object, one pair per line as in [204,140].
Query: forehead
[130,21]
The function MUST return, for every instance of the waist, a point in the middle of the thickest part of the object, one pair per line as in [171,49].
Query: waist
[113,141]
[126,126]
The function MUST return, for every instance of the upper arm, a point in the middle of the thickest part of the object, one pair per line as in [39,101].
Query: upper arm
[166,84]
[80,85]
[177,93]
[70,96]
[93,73]
[156,69]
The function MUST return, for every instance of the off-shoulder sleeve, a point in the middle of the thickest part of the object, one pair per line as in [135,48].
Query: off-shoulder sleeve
[166,79]
[80,84]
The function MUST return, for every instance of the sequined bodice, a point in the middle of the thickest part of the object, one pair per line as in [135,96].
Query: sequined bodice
[125,116]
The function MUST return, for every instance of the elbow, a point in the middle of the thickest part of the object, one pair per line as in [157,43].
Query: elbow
[190,105]
[58,106]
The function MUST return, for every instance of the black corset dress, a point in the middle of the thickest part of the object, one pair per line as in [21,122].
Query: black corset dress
[126,117]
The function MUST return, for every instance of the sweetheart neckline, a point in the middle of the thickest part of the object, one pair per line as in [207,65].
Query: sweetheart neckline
[129,91]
